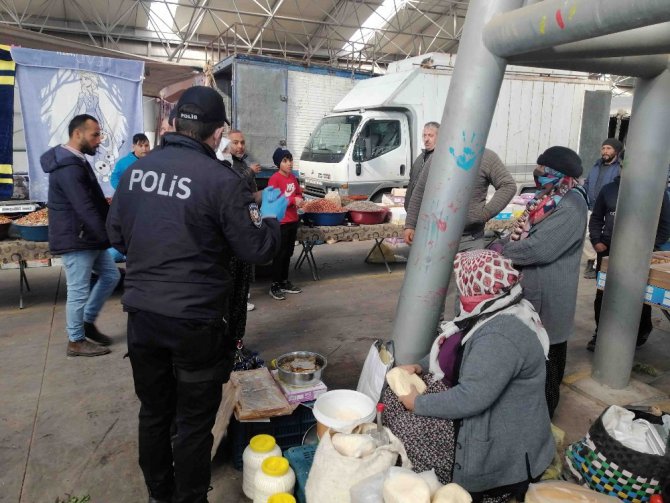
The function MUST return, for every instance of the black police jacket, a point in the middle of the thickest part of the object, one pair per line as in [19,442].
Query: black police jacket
[178,214]
[77,206]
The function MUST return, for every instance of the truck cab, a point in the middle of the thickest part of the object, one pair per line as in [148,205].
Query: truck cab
[361,153]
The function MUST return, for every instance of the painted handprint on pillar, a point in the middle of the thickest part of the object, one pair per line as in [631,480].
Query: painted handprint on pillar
[471,150]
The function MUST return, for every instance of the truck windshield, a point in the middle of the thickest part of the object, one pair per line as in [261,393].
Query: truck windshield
[330,139]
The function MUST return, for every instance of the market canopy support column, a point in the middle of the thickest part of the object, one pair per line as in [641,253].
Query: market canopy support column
[554,22]
[643,181]
[467,117]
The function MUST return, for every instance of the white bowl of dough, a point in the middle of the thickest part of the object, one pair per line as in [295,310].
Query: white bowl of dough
[342,410]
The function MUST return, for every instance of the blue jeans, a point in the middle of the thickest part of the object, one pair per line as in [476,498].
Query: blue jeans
[83,302]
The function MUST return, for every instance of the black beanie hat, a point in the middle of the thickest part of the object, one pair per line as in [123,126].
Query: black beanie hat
[279,155]
[562,159]
[614,143]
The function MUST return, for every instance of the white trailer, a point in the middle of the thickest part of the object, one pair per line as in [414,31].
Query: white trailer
[367,144]
[273,101]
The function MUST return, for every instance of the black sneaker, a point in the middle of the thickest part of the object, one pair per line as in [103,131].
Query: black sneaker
[288,287]
[276,292]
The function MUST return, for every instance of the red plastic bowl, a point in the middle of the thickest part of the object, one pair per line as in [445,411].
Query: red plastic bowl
[368,217]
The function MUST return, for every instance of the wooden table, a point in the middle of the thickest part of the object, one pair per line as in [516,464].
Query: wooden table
[20,250]
[309,237]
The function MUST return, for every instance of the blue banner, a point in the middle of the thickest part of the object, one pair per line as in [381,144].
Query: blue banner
[54,87]
[7,123]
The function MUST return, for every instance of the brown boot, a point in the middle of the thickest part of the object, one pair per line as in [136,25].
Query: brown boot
[85,348]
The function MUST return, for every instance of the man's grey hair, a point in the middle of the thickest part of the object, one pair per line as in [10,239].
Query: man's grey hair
[433,124]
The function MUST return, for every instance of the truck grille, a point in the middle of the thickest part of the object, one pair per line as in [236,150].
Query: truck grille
[313,191]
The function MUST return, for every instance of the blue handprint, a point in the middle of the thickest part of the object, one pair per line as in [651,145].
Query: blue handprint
[467,159]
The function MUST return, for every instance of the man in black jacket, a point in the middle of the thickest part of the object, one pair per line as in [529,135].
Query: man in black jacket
[77,213]
[601,227]
[178,215]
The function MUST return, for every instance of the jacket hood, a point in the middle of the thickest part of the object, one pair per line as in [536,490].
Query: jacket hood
[183,141]
[58,157]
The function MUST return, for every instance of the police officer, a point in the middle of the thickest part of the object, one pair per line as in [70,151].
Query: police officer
[179,215]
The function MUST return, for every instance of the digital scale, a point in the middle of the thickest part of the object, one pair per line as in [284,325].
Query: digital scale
[18,206]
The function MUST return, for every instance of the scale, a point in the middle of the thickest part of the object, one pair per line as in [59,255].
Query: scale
[18,206]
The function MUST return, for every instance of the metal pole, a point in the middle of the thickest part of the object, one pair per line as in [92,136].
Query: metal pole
[645,67]
[644,178]
[638,42]
[468,112]
[555,22]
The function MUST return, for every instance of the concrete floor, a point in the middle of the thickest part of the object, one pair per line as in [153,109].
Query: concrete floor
[69,425]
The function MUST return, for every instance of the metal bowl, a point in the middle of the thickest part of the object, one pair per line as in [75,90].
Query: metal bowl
[300,378]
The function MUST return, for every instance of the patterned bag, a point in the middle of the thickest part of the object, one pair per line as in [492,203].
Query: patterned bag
[605,465]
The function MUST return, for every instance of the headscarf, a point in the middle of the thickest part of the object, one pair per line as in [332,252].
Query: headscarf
[552,186]
[488,285]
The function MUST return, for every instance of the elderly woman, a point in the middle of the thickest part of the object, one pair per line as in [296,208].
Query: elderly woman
[547,245]
[486,379]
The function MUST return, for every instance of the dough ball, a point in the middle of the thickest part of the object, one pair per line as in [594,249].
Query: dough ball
[401,382]
[406,488]
[451,493]
[354,445]
[431,479]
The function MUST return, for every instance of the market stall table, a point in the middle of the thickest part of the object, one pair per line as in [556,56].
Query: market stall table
[309,237]
[20,250]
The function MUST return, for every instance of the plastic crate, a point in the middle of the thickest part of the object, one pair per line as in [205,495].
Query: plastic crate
[287,431]
[300,459]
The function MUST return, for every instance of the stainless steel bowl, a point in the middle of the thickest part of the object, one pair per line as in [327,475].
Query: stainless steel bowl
[300,378]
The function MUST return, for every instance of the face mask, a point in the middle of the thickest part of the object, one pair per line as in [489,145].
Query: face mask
[549,176]
[224,156]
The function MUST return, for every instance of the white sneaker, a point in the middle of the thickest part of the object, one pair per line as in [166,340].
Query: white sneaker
[250,306]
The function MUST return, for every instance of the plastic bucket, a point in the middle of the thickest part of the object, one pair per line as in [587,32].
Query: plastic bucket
[342,410]
[33,232]
[324,219]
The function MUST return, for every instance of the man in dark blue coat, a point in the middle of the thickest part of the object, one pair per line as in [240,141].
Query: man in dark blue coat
[77,213]
[179,215]
[601,227]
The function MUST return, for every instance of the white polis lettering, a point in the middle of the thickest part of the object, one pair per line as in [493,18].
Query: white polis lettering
[151,182]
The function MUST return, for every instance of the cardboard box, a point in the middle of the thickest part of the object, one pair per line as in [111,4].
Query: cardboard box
[659,274]
[399,192]
[300,394]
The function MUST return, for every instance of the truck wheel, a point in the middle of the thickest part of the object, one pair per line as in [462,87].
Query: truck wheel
[377,198]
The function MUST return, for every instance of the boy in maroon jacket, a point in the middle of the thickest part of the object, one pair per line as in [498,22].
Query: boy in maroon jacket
[288,184]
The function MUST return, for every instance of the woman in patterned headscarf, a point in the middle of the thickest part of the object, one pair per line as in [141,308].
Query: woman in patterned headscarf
[486,374]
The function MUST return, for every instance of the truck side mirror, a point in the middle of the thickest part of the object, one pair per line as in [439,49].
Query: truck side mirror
[358,169]
[359,152]
[402,170]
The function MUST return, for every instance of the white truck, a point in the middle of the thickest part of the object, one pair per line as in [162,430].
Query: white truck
[366,145]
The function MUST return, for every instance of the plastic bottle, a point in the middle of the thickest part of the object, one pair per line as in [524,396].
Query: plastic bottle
[259,449]
[275,476]
[281,498]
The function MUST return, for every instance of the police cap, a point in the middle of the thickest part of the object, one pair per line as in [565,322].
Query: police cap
[204,105]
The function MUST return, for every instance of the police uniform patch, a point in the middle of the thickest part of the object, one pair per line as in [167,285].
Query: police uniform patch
[255,215]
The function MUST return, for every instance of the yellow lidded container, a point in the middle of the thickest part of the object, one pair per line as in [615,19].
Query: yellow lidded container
[275,476]
[259,449]
[281,498]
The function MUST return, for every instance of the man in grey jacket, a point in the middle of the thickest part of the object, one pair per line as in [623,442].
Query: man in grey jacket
[430,131]
[491,172]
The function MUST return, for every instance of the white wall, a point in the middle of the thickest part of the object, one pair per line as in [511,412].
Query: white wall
[311,96]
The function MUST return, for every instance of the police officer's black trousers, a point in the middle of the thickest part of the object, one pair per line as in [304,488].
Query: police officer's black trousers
[179,366]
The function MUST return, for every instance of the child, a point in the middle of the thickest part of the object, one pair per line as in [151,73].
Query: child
[285,181]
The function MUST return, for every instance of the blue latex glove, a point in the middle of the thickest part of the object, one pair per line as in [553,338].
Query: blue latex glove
[273,204]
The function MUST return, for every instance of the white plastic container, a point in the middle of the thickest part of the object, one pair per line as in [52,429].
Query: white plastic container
[275,476]
[342,410]
[259,449]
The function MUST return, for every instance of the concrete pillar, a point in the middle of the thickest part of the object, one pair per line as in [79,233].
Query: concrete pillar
[643,181]
[467,117]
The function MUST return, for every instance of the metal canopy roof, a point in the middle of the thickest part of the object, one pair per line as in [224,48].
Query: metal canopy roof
[180,31]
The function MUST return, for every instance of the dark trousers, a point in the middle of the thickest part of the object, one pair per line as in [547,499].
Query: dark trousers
[555,370]
[179,366]
[645,318]
[239,295]
[282,260]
